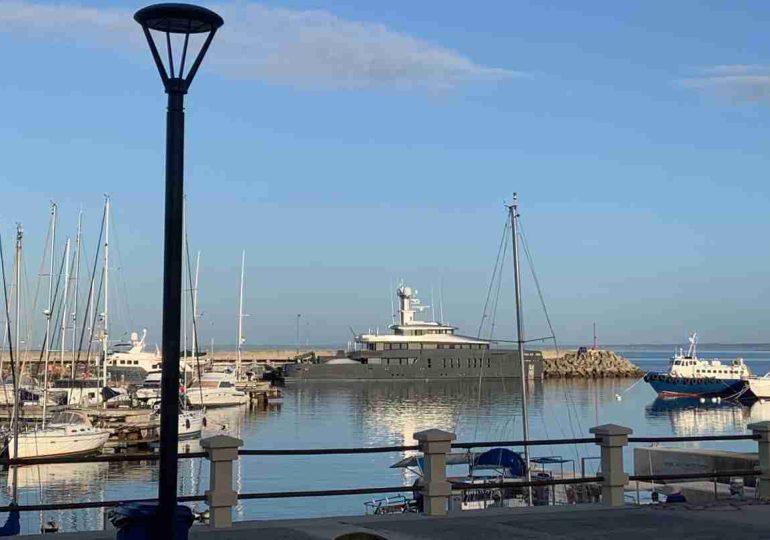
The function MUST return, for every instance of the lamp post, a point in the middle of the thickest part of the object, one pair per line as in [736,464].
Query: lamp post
[180,21]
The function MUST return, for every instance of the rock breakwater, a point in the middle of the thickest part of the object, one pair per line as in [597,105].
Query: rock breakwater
[590,364]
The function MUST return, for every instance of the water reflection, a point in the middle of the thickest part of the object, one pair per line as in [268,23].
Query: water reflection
[690,417]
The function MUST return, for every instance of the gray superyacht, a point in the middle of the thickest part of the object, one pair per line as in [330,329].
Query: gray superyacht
[418,350]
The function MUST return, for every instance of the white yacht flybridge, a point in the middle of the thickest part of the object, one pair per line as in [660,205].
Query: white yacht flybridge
[133,365]
[417,350]
[411,330]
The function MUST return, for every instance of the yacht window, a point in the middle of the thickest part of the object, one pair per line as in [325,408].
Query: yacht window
[444,362]
[429,364]
[489,363]
[451,346]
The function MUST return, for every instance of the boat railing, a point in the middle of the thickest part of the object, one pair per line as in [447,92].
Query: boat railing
[435,489]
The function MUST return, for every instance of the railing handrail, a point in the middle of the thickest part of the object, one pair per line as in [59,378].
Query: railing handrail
[148,456]
[390,489]
[694,438]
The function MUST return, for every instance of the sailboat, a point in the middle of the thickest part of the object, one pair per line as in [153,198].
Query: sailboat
[68,433]
[511,469]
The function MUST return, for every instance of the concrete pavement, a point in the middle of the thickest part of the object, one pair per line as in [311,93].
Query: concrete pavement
[725,520]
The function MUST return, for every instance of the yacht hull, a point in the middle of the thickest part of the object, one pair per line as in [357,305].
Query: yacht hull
[42,445]
[760,387]
[423,365]
[190,424]
[216,400]
[667,386]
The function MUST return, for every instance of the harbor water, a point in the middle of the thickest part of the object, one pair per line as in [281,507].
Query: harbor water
[343,414]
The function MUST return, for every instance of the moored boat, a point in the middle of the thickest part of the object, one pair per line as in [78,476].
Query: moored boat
[418,350]
[689,376]
[69,433]
[215,390]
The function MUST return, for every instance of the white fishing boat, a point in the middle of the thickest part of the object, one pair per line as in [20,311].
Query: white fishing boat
[215,390]
[68,433]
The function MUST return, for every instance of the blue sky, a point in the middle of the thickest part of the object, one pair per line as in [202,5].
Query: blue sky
[346,145]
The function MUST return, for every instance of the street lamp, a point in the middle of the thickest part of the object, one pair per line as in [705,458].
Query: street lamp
[178,20]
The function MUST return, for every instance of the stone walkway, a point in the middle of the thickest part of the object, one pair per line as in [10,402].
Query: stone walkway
[663,522]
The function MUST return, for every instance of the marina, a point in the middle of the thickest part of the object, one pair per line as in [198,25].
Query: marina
[376,413]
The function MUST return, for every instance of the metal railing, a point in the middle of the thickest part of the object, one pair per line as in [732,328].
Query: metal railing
[434,445]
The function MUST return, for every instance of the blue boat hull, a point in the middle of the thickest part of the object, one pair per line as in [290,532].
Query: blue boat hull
[667,386]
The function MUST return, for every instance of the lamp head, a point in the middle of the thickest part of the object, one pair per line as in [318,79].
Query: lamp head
[178,20]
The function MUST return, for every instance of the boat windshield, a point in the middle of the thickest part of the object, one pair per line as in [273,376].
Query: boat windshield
[69,417]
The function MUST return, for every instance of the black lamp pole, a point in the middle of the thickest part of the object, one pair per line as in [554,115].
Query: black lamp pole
[171,19]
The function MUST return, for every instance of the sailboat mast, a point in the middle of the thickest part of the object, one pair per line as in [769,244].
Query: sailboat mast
[15,413]
[195,307]
[47,351]
[64,303]
[240,315]
[76,291]
[513,209]
[185,266]
[106,329]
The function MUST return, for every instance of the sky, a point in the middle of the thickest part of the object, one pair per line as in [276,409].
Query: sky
[347,145]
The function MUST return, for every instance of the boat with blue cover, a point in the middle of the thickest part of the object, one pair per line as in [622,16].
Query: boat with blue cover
[688,376]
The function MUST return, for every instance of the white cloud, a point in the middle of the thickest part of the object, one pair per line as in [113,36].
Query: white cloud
[737,82]
[307,49]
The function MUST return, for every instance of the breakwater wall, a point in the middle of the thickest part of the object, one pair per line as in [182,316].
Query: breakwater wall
[591,364]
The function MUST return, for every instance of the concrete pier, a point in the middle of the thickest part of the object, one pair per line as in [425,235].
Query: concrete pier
[661,522]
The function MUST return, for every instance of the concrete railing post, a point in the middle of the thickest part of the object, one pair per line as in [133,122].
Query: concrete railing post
[761,431]
[611,439]
[221,497]
[435,445]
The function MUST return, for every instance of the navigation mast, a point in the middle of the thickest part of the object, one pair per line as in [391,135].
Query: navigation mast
[513,210]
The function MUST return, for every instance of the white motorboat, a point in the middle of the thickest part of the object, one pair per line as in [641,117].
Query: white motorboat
[68,433]
[215,390]
[149,392]
[133,365]
[191,423]
[760,386]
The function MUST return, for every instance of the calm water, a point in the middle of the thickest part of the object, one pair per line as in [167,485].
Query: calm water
[385,413]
